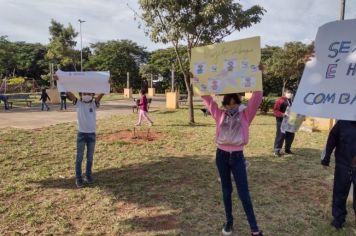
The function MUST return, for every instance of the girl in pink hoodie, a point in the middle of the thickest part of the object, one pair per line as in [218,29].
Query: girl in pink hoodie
[232,134]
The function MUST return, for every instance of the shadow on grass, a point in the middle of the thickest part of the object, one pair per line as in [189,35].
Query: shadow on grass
[174,183]
[164,112]
[308,152]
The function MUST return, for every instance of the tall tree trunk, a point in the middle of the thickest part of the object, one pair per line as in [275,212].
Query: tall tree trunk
[190,98]
[190,105]
[187,84]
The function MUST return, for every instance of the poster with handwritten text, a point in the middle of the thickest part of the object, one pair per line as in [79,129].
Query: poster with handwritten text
[328,85]
[229,67]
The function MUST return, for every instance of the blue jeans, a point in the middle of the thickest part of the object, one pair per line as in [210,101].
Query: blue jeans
[44,104]
[89,140]
[63,103]
[234,163]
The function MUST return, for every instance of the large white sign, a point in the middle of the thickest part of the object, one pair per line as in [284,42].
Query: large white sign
[86,81]
[328,85]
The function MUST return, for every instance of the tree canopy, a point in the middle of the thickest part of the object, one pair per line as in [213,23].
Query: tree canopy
[119,57]
[193,23]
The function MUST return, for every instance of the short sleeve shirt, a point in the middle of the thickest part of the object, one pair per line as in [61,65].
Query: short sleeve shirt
[86,114]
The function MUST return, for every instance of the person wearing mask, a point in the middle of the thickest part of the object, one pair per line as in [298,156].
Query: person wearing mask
[280,110]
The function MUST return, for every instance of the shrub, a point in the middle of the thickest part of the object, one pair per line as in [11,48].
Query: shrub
[266,105]
[16,81]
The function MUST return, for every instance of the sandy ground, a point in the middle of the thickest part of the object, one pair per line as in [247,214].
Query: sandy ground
[33,117]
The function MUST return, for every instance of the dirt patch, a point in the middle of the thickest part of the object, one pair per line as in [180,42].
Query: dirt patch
[132,136]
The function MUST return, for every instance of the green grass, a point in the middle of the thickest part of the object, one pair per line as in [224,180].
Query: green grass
[164,187]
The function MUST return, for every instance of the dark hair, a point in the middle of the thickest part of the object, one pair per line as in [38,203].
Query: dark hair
[288,89]
[44,90]
[143,92]
[231,96]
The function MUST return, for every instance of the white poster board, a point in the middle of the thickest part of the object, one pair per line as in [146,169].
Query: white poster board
[86,81]
[328,85]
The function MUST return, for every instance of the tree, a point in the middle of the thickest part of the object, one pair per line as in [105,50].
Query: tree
[30,59]
[163,60]
[119,57]
[7,59]
[61,47]
[271,83]
[194,23]
[287,63]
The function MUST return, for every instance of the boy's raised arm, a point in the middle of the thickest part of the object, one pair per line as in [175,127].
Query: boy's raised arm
[71,96]
[99,97]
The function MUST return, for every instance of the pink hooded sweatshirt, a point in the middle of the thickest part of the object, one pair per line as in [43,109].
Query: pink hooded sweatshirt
[247,115]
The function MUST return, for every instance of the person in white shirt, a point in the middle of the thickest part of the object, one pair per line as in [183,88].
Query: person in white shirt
[86,114]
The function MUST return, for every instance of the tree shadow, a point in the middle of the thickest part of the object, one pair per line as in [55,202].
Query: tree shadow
[170,183]
[164,112]
[308,152]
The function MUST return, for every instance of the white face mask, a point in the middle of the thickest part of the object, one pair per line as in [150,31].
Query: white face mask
[87,98]
[289,95]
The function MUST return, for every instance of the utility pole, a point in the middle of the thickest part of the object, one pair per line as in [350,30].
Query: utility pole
[81,44]
[173,77]
[128,80]
[342,9]
[51,71]
[151,80]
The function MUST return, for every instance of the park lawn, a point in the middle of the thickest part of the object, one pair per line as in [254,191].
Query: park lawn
[164,187]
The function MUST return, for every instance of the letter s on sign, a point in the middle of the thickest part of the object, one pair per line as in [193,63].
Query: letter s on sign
[306,99]
[332,49]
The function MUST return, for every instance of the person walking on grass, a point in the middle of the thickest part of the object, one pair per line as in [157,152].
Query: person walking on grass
[63,101]
[342,138]
[280,110]
[143,109]
[232,134]
[44,97]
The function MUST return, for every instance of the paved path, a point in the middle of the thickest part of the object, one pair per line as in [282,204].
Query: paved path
[33,118]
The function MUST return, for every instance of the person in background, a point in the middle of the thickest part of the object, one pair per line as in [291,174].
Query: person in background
[280,110]
[4,99]
[143,107]
[342,138]
[63,101]
[44,97]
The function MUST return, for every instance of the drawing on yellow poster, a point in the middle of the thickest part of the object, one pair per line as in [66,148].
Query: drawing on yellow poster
[230,67]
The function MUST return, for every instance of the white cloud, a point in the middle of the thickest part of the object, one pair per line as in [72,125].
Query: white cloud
[285,20]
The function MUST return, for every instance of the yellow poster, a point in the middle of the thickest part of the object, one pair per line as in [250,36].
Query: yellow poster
[230,67]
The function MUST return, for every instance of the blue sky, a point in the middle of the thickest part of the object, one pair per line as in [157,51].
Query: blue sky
[285,20]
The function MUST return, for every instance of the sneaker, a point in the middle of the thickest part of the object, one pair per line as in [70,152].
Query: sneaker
[137,124]
[151,124]
[89,180]
[259,233]
[289,152]
[277,154]
[79,183]
[227,229]
[337,225]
